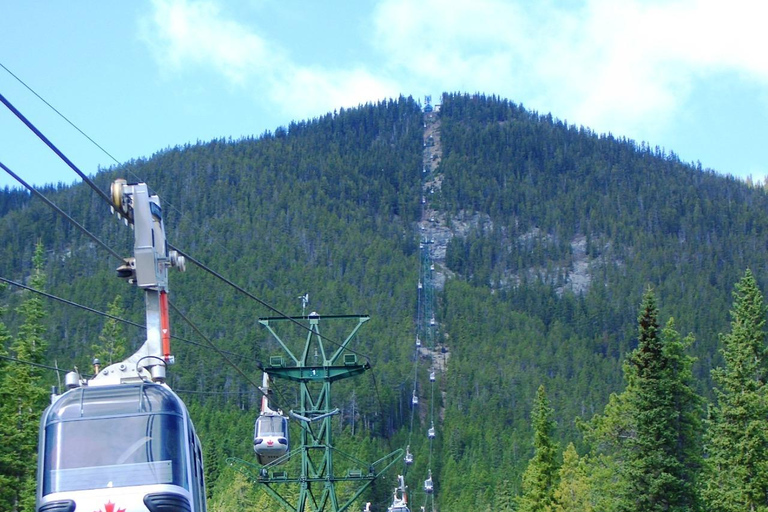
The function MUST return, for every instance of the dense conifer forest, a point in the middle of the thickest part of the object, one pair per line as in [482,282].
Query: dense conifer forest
[594,293]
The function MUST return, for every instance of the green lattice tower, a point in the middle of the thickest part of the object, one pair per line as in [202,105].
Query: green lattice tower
[315,371]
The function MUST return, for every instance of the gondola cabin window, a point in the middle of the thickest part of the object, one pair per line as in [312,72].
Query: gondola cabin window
[114,436]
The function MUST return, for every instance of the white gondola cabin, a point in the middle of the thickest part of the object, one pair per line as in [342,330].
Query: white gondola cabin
[270,433]
[408,456]
[128,444]
[119,441]
[429,487]
[270,437]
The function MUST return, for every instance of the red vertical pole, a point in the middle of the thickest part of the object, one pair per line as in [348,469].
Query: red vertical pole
[165,325]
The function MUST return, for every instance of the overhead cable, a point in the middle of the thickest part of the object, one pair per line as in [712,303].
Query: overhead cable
[60,211]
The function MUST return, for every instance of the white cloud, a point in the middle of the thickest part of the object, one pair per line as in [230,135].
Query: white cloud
[309,92]
[188,33]
[183,32]
[619,66]
[628,67]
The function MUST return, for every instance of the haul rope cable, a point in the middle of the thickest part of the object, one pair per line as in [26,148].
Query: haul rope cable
[109,201]
[114,253]
[90,183]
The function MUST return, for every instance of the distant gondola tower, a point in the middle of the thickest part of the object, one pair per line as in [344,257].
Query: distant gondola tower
[317,475]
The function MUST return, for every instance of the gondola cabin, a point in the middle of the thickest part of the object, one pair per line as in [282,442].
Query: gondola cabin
[127,447]
[408,456]
[399,501]
[270,437]
[124,441]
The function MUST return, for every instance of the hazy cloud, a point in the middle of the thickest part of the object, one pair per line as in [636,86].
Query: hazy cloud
[185,33]
[623,66]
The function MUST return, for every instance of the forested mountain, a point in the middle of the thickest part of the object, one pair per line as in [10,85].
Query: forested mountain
[545,237]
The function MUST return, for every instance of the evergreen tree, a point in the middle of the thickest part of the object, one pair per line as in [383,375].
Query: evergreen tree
[573,493]
[24,401]
[504,501]
[8,459]
[540,476]
[661,457]
[645,444]
[736,469]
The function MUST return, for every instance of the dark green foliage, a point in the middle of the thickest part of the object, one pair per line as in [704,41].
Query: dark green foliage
[574,490]
[540,477]
[661,458]
[737,441]
[23,400]
[645,446]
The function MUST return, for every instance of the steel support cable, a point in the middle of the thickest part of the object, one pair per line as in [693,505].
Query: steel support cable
[60,211]
[60,114]
[30,363]
[53,148]
[221,353]
[108,200]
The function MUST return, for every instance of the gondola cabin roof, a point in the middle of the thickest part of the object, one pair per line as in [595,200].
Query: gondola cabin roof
[115,400]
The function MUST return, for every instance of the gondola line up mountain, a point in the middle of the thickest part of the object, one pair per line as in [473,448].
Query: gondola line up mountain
[547,235]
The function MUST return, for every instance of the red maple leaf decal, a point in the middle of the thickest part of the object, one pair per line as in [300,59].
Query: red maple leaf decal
[110,507]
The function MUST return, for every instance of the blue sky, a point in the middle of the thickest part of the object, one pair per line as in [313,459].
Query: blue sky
[690,76]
